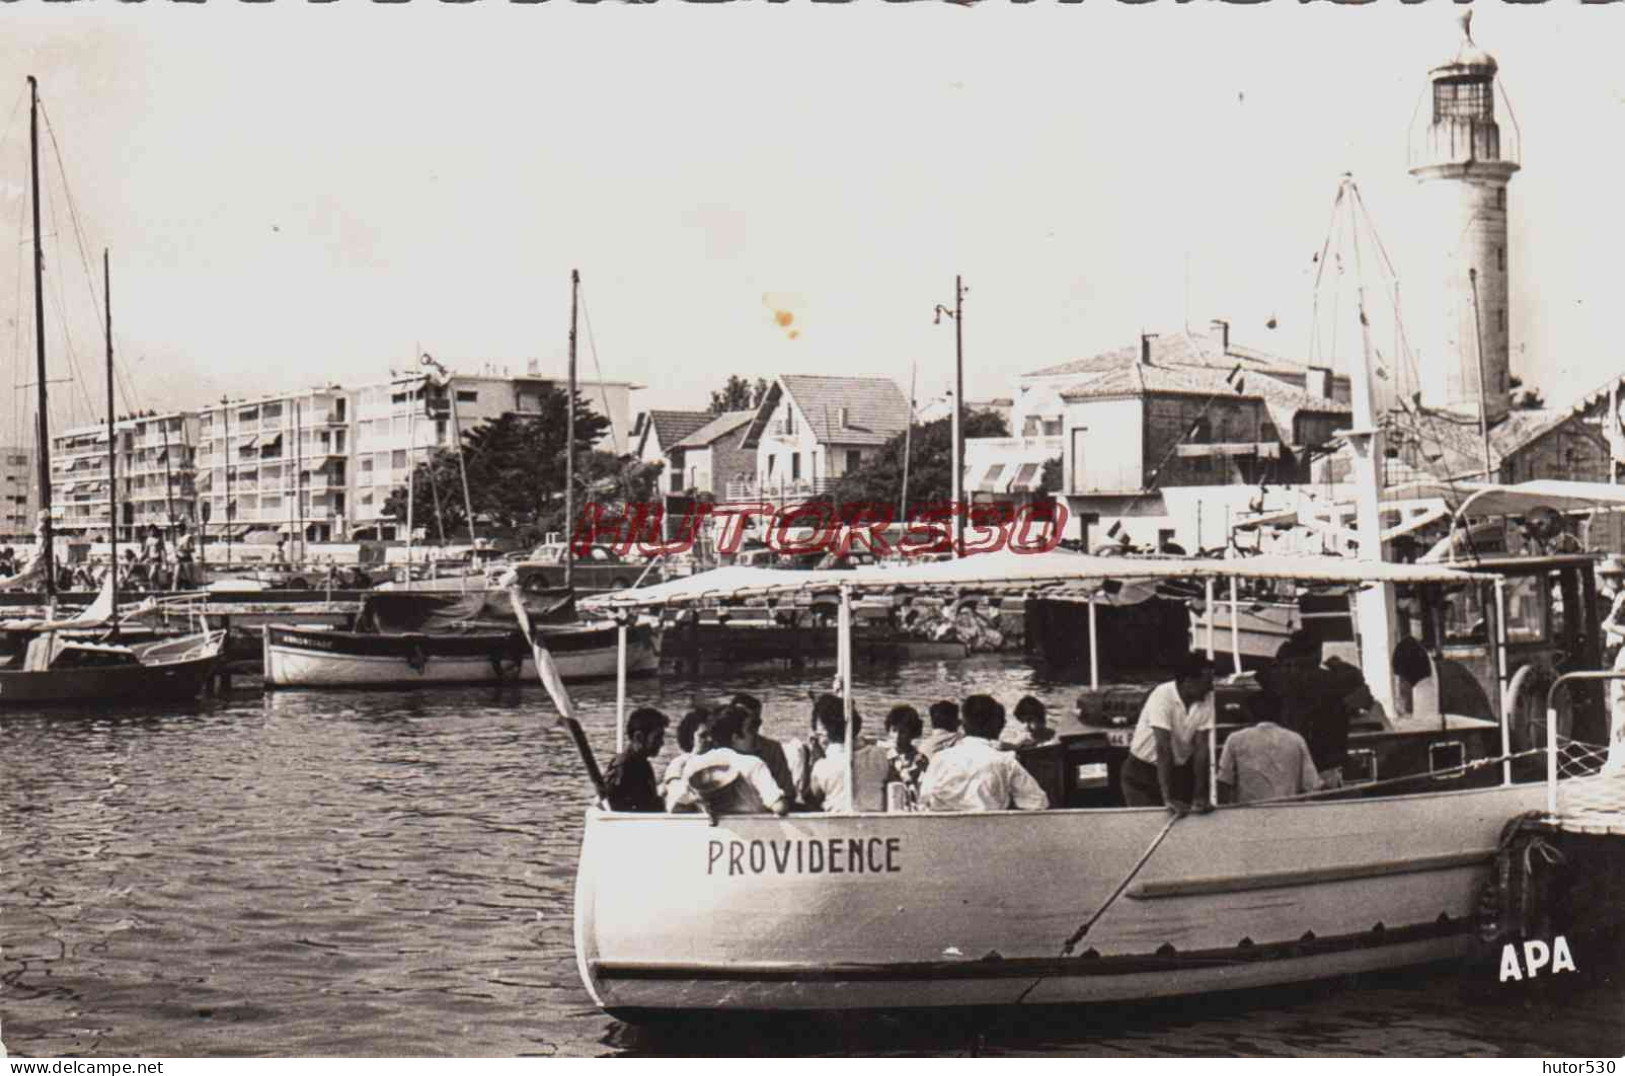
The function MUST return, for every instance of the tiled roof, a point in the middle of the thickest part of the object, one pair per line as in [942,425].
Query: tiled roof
[719,427]
[1284,402]
[876,409]
[1179,349]
[672,426]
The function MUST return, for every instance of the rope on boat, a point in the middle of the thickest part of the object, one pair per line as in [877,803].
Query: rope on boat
[1077,936]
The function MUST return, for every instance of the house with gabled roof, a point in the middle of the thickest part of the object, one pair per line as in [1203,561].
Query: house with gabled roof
[657,432]
[810,430]
[712,456]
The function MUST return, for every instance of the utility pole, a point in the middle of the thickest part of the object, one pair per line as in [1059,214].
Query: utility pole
[957,313]
[231,505]
[570,438]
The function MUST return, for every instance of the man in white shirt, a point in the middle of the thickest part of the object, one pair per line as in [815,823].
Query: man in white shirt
[727,780]
[1168,755]
[974,774]
[1265,762]
[871,769]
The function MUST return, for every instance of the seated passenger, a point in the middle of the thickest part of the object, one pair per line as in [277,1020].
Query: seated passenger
[766,748]
[695,739]
[728,781]
[944,728]
[1168,754]
[974,775]
[1318,703]
[908,762]
[1032,729]
[1265,762]
[870,768]
[629,782]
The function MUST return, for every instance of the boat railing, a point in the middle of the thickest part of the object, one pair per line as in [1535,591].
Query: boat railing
[1590,756]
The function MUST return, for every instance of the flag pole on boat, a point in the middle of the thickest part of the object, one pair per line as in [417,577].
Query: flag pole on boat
[547,671]
[1235,627]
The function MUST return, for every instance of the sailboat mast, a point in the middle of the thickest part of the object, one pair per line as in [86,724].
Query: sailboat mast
[112,450]
[570,437]
[45,554]
[1375,604]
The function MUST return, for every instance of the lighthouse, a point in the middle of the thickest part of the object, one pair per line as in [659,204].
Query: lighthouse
[1463,166]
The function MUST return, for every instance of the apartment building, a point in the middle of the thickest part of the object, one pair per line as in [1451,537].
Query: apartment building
[277,463]
[317,463]
[18,500]
[155,457]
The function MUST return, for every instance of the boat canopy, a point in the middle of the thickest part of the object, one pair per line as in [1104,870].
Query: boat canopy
[1484,499]
[1016,571]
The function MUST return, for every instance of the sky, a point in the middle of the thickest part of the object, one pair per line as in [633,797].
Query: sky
[296,194]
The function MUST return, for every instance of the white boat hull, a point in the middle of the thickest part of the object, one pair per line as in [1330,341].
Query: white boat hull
[974,909]
[304,666]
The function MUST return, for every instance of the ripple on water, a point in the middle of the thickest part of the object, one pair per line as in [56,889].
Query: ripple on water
[391,874]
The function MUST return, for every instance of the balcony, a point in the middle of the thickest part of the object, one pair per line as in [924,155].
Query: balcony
[779,491]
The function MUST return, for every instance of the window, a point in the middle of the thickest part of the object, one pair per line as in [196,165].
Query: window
[990,481]
[789,419]
[854,460]
[1462,100]
[795,466]
[468,396]
[1052,427]
[398,460]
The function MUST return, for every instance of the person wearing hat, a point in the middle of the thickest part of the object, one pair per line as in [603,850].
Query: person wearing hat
[728,781]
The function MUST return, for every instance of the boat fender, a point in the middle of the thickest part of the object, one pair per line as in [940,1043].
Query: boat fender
[416,659]
[1517,901]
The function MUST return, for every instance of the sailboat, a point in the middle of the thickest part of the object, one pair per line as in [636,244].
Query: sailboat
[59,665]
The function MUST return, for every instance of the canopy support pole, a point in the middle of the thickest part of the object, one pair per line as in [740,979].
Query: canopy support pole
[1094,646]
[1501,670]
[1235,625]
[620,683]
[844,662]
[1207,608]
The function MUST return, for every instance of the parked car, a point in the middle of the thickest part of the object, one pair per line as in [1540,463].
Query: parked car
[599,568]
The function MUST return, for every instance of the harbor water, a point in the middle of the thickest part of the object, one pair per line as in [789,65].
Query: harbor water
[391,874]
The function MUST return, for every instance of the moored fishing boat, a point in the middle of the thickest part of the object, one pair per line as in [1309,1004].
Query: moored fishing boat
[406,639]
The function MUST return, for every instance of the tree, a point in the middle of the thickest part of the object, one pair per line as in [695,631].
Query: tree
[515,465]
[738,395]
[930,474]
[1050,480]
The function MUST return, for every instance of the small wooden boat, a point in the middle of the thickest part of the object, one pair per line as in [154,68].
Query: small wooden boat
[57,669]
[407,639]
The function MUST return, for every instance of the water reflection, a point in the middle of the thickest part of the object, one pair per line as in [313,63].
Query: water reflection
[358,873]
